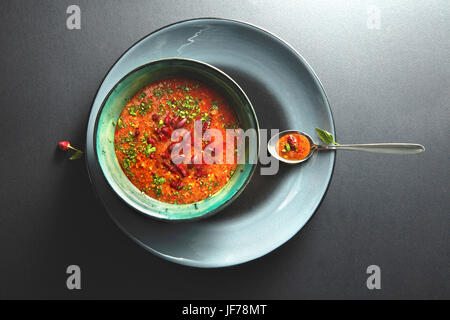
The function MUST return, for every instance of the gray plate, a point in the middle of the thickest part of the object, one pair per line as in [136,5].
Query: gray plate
[285,93]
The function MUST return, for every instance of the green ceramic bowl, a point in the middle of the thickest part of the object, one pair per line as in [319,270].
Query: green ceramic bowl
[127,88]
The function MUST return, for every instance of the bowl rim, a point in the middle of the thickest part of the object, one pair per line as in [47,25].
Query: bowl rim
[155,215]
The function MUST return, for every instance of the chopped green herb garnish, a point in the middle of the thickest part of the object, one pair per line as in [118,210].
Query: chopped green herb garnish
[287,147]
[120,123]
[158,180]
[158,191]
[132,111]
[142,95]
[205,117]
[158,92]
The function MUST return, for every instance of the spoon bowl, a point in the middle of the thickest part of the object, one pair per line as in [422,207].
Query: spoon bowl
[272,146]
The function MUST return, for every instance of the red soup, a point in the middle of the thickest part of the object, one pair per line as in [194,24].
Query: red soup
[143,140]
[293,146]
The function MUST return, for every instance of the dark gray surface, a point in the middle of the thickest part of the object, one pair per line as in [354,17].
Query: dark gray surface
[384,85]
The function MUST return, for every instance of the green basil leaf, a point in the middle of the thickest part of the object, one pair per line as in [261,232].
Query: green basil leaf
[76,155]
[325,136]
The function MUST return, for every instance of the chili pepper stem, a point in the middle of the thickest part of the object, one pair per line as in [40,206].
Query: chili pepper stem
[75,149]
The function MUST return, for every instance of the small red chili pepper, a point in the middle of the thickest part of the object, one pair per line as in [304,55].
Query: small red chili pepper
[65,145]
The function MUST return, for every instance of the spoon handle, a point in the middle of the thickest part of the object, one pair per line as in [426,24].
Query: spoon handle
[392,148]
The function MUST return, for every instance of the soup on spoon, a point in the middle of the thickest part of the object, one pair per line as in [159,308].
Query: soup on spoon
[293,146]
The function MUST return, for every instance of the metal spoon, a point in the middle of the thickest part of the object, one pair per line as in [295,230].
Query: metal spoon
[392,148]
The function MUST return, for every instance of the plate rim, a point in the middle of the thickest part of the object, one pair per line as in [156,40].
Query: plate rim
[187,262]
